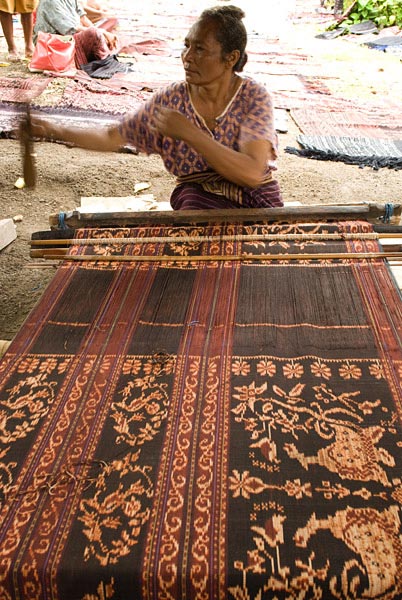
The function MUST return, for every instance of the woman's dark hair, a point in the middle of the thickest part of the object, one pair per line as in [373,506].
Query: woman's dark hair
[229,29]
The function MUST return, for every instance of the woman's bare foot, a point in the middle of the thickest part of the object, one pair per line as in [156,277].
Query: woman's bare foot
[13,56]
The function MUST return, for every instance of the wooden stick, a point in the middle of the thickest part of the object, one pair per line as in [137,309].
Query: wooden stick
[347,12]
[189,239]
[215,238]
[229,257]
[372,212]
[43,265]
[44,252]
[28,157]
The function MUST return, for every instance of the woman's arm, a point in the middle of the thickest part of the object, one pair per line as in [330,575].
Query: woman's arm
[245,168]
[84,23]
[102,140]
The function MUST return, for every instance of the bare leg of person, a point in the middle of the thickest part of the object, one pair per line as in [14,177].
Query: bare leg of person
[27,28]
[6,20]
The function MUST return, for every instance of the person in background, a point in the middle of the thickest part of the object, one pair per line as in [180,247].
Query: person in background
[25,9]
[214,131]
[67,17]
[99,15]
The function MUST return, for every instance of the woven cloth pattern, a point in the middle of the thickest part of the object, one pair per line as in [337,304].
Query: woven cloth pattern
[186,428]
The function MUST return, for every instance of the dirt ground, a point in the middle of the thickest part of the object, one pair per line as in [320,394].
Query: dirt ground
[66,174]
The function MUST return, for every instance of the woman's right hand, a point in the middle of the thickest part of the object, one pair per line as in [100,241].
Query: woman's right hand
[40,128]
[111,39]
[172,123]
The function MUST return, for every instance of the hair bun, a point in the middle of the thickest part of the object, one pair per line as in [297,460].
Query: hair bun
[227,11]
[234,11]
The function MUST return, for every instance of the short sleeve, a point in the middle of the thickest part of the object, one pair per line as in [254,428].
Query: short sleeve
[258,120]
[80,9]
[137,129]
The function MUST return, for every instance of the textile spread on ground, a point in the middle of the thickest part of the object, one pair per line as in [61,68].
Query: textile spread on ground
[374,152]
[206,429]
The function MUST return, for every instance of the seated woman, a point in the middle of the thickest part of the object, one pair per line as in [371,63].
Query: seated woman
[214,131]
[67,17]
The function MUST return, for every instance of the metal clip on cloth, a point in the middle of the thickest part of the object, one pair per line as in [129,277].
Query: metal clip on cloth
[61,221]
[388,212]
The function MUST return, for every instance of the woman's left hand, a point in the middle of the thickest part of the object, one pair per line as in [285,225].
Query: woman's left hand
[171,123]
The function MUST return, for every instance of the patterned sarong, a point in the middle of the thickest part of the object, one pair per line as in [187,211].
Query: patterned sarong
[206,429]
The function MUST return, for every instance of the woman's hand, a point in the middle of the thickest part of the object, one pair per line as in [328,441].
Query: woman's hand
[111,39]
[84,23]
[172,123]
[40,128]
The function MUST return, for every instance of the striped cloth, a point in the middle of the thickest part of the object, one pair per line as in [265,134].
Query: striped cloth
[194,197]
[210,190]
[362,151]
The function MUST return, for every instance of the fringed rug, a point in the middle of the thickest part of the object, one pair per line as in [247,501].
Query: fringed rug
[373,152]
[21,89]
[89,96]
[189,426]
[311,100]
[10,118]
[391,44]
[378,123]
[132,47]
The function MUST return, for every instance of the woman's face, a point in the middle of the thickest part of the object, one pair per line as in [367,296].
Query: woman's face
[202,55]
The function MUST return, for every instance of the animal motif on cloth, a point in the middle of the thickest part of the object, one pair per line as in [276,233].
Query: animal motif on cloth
[353,454]
[374,536]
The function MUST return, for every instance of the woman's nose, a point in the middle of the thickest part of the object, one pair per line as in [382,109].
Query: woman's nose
[186,55]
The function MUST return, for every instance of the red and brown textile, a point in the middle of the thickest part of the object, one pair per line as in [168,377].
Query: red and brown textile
[100,98]
[206,429]
[90,44]
[21,89]
[374,123]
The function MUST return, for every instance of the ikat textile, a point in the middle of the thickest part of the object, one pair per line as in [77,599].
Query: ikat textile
[194,427]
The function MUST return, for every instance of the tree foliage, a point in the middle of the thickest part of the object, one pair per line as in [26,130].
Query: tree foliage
[384,13]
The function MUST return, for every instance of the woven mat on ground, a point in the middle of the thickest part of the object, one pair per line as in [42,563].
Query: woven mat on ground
[206,429]
[10,118]
[100,98]
[352,123]
[391,44]
[21,89]
[131,47]
[373,152]
[312,100]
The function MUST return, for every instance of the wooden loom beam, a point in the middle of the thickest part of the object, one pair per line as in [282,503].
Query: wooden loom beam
[220,257]
[371,212]
[43,242]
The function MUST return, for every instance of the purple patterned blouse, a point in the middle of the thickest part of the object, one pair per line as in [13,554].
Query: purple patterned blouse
[249,116]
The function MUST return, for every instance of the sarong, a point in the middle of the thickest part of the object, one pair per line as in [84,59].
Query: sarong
[208,190]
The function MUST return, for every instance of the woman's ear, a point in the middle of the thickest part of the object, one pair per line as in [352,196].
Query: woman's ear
[232,58]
